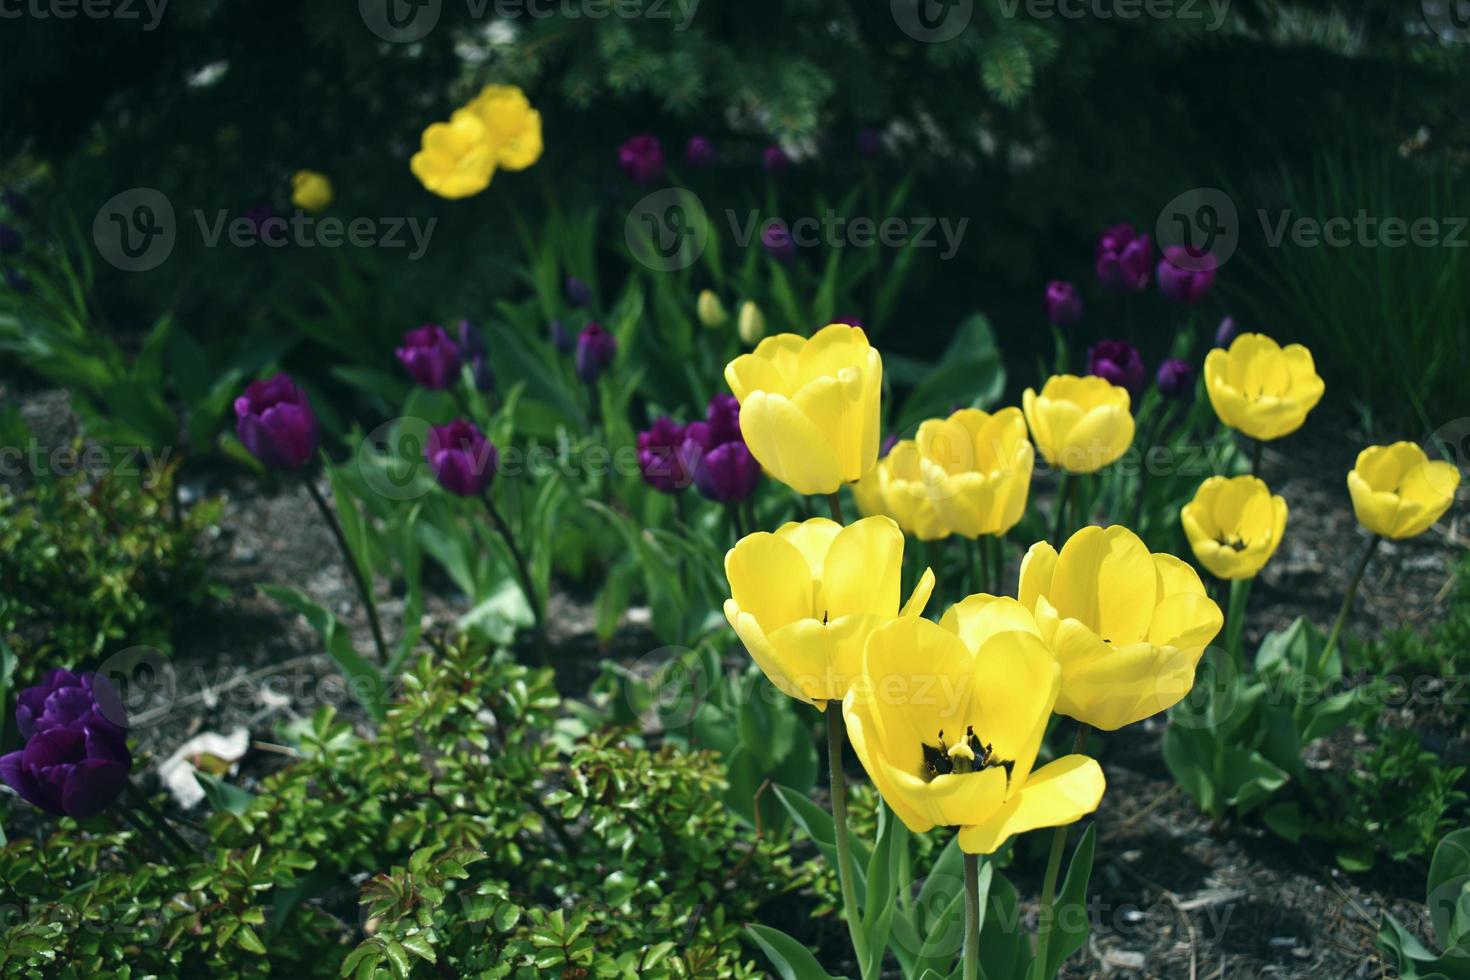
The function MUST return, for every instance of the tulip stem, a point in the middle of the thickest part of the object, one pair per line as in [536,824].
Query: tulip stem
[1060,506]
[982,565]
[140,800]
[523,570]
[1256,458]
[972,917]
[835,502]
[363,589]
[1347,603]
[835,734]
[1240,590]
[1053,867]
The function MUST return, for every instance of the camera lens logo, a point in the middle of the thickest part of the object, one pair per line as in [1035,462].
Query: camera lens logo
[400,21]
[667,230]
[1203,221]
[1450,442]
[141,687]
[932,21]
[135,230]
[391,459]
[1450,19]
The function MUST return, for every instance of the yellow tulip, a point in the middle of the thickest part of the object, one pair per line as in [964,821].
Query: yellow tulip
[310,190]
[980,468]
[1127,627]
[948,720]
[1261,388]
[809,407]
[711,311]
[1234,525]
[805,599]
[752,324]
[896,487]
[511,125]
[1398,491]
[457,159]
[1080,424]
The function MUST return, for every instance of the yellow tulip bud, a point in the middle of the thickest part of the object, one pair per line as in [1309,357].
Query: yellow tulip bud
[809,407]
[948,722]
[1234,525]
[457,159]
[805,599]
[1127,626]
[1080,424]
[512,127]
[899,487]
[310,190]
[711,311]
[1398,491]
[1261,388]
[752,324]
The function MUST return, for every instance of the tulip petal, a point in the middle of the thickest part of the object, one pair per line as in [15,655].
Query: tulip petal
[863,568]
[1059,793]
[781,672]
[813,538]
[1127,684]
[1018,684]
[91,785]
[977,618]
[1105,579]
[1038,569]
[770,579]
[919,598]
[862,733]
[788,444]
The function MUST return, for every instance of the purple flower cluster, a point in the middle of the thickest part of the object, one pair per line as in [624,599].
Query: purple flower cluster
[711,454]
[431,357]
[76,759]
[1123,258]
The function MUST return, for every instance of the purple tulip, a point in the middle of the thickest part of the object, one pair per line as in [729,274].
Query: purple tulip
[560,337]
[461,458]
[776,240]
[596,349]
[275,422]
[660,459]
[472,342]
[11,241]
[700,152]
[887,445]
[430,356]
[578,292]
[723,418]
[723,471]
[1063,303]
[1175,378]
[642,159]
[775,160]
[76,759]
[17,281]
[1185,277]
[1123,259]
[869,142]
[851,321]
[1118,362]
[1225,332]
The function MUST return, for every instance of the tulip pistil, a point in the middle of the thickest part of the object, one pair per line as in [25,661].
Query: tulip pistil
[1232,541]
[967,755]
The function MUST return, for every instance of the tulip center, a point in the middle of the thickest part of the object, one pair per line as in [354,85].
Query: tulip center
[966,755]
[1234,541]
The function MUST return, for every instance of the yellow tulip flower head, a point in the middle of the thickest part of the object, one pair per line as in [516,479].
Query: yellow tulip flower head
[1080,424]
[897,487]
[512,127]
[809,406]
[1261,388]
[948,720]
[805,599]
[1400,492]
[1127,626]
[980,468]
[1234,525]
[457,159]
[310,190]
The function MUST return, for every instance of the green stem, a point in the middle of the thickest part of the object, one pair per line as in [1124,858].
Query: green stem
[844,846]
[835,502]
[1060,506]
[972,917]
[1053,867]
[159,821]
[1347,603]
[982,565]
[1240,590]
[1256,458]
[363,589]
[523,570]
[997,559]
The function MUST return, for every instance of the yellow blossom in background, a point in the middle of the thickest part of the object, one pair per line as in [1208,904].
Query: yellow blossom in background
[1080,424]
[1234,525]
[948,720]
[711,311]
[980,468]
[752,324]
[1398,491]
[511,125]
[805,599]
[1127,626]
[809,406]
[897,487]
[457,159]
[1261,388]
[310,190]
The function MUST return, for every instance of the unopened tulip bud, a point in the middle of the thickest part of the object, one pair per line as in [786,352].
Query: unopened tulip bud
[711,311]
[752,324]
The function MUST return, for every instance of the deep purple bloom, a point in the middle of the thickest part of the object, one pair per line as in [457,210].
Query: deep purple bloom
[1175,378]
[1185,277]
[596,349]
[700,152]
[723,419]
[472,343]
[869,142]
[1118,362]
[1123,259]
[561,338]
[578,292]
[1063,303]
[723,471]
[461,458]
[275,422]
[851,321]
[642,159]
[14,202]
[1225,332]
[776,240]
[11,241]
[17,280]
[430,356]
[660,459]
[888,444]
[775,160]
[76,759]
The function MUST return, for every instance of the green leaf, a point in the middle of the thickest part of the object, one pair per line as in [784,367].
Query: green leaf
[817,823]
[1447,892]
[222,796]
[364,681]
[1069,933]
[792,960]
[969,372]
